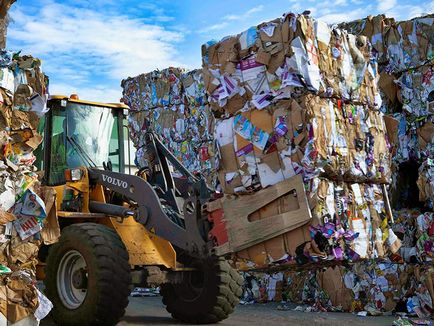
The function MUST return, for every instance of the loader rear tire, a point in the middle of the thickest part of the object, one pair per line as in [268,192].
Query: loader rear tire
[95,261]
[209,297]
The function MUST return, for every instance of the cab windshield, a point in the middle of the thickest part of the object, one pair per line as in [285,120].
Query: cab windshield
[82,135]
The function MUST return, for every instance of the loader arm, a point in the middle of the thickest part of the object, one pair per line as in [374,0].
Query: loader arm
[172,213]
[150,212]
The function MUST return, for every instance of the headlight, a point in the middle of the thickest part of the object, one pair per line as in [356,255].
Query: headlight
[73,174]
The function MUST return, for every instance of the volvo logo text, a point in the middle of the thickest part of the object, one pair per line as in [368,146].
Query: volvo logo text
[114,181]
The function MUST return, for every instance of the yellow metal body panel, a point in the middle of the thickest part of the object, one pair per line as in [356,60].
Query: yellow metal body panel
[82,186]
[97,194]
[80,215]
[109,105]
[144,247]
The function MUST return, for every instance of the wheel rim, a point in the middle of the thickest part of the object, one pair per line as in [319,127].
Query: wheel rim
[72,279]
[193,285]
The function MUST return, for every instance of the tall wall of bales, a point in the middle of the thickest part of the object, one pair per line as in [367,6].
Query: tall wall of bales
[293,96]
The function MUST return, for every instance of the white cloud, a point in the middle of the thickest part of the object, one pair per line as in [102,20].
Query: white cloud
[414,11]
[253,10]
[340,3]
[98,93]
[296,7]
[226,20]
[405,11]
[314,11]
[385,5]
[160,18]
[246,15]
[216,26]
[79,44]
[338,17]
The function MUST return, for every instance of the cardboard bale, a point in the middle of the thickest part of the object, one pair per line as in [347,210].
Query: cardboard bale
[404,51]
[400,45]
[375,287]
[349,216]
[415,87]
[425,183]
[338,140]
[172,104]
[285,57]
[300,100]
[349,223]
[157,88]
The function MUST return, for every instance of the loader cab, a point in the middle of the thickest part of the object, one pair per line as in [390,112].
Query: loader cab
[81,133]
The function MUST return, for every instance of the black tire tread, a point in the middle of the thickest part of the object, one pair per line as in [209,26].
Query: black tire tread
[112,280]
[229,290]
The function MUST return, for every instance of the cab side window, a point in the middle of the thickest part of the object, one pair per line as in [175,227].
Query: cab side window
[58,162]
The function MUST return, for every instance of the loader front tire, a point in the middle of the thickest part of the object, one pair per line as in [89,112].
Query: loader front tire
[88,276]
[205,297]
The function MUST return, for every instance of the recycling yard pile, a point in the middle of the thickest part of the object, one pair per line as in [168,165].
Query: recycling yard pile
[346,110]
[404,54]
[306,125]
[172,102]
[26,218]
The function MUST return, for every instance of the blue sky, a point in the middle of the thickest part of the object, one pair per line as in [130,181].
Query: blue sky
[89,46]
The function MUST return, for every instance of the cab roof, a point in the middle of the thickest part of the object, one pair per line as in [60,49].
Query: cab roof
[120,106]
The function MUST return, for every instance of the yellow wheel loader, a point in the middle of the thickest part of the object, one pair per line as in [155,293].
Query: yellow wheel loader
[120,230]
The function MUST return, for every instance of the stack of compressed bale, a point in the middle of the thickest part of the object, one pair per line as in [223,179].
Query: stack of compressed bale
[172,103]
[405,53]
[292,96]
[370,286]
[26,217]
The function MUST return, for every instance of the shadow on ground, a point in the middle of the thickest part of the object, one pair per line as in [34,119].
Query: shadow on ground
[148,320]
